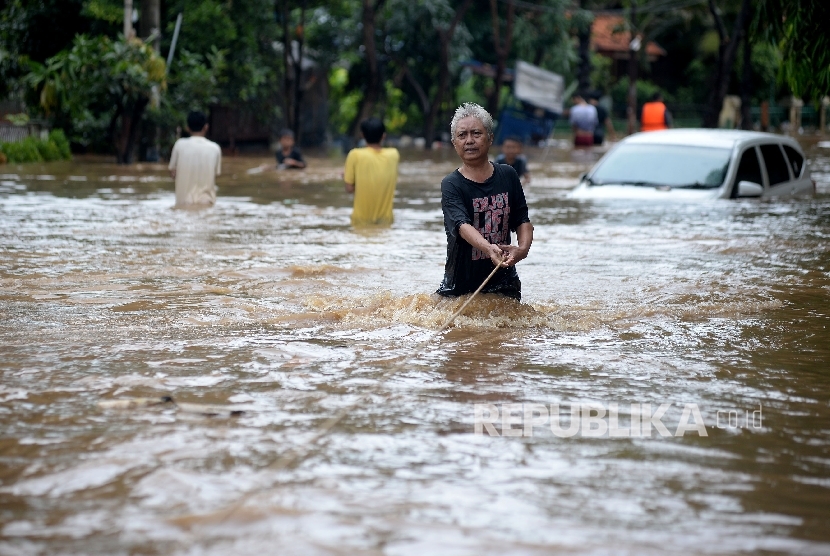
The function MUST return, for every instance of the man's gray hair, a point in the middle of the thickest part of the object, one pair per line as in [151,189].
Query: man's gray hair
[471,109]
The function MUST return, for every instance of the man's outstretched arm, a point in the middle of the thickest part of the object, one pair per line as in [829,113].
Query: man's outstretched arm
[474,238]
[524,234]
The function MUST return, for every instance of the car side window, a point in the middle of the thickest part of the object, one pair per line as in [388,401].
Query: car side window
[775,163]
[748,170]
[796,160]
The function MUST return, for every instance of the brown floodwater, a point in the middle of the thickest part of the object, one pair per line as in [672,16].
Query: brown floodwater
[354,424]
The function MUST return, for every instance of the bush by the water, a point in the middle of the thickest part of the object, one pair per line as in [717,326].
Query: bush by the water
[59,138]
[33,149]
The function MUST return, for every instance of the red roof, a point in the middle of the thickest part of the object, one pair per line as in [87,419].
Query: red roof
[610,36]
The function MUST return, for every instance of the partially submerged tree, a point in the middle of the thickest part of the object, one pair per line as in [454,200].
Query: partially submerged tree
[372,86]
[582,20]
[727,54]
[100,86]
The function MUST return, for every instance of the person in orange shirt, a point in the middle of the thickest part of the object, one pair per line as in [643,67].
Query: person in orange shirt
[655,116]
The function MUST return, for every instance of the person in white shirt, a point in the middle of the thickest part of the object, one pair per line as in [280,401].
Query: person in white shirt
[194,164]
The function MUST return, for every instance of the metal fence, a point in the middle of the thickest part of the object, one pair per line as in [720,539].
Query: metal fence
[13,133]
[691,115]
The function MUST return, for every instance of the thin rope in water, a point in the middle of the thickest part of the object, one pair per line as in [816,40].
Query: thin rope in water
[475,293]
[295,455]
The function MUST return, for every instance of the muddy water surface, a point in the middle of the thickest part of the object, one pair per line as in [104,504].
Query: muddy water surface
[354,423]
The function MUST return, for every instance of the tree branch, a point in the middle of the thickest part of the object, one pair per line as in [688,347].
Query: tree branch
[718,22]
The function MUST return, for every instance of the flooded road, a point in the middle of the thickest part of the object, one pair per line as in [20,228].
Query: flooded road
[356,429]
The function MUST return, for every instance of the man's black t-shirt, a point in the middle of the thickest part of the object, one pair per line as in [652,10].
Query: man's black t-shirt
[494,208]
[295,154]
[519,164]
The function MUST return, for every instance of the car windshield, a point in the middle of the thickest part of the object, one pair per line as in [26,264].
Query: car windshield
[663,165]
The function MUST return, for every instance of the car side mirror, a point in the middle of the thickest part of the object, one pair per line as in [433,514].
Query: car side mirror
[583,176]
[749,189]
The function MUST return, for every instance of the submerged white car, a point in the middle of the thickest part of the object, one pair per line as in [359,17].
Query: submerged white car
[699,164]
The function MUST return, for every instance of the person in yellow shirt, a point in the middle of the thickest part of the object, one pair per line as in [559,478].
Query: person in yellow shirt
[371,174]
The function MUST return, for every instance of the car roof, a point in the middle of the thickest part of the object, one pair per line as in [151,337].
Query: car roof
[718,138]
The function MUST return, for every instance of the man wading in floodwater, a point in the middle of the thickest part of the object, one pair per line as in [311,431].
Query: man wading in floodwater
[482,204]
[371,174]
[194,164]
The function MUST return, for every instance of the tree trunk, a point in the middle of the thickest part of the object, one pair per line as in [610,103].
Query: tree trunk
[372,90]
[150,25]
[134,131]
[128,19]
[444,39]
[584,70]
[502,49]
[150,21]
[726,60]
[287,97]
[129,130]
[633,66]
[298,76]
[419,90]
[746,77]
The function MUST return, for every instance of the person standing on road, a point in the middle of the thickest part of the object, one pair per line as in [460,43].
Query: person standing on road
[194,164]
[482,203]
[371,173]
[655,116]
[584,121]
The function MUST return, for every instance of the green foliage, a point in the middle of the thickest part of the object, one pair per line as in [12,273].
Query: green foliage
[87,88]
[33,149]
[109,11]
[601,77]
[58,137]
[193,84]
[343,101]
[799,29]
[39,29]
[645,89]
[206,25]
[225,55]
[408,27]
[48,150]
[710,43]
[22,151]
[541,37]
[470,89]
[694,90]
[245,33]
[18,119]
[396,116]
[332,31]
[766,61]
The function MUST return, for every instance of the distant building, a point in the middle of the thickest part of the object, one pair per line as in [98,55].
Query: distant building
[610,38]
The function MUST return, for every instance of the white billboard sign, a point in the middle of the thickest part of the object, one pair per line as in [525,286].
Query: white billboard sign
[539,87]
